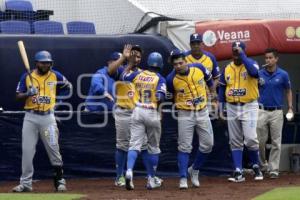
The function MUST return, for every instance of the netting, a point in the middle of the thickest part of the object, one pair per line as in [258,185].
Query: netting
[124,16]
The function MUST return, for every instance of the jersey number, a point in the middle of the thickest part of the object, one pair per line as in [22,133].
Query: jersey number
[145,96]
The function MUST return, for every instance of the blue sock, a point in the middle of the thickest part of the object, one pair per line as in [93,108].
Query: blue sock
[253,156]
[183,161]
[237,157]
[199,160]
[146,163]
[131,158]
[120,159]
[153,162]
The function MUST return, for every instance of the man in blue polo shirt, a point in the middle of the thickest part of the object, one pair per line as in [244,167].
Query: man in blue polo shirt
[101,89]
[274,84]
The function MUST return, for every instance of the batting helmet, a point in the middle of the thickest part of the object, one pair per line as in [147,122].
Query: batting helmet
[43,56]
[155,60]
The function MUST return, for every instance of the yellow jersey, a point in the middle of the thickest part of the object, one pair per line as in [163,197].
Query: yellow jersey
[240,86]
[47,86]
[208,60]
[150,87]
[189,89]
[126,96]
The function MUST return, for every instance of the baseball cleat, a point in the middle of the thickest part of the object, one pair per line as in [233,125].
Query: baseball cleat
[274,175]
[237,177]
[183,183]
[120,182]
[258,176]
[128,180]
[194,175]
[22,188]
[158,180]
[152,183]
[61,185]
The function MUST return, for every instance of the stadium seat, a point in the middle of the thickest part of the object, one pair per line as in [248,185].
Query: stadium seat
[15,27]
[79,27]
[48,27]
[18,5]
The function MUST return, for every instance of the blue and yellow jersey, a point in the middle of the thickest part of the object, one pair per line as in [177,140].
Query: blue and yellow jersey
[126,96]
[150,87]
[190,89]
[47,85]
[240,87]
[208,60]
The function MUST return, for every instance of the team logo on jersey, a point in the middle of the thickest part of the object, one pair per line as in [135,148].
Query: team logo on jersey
[130,94]
[41,100]
[237,92]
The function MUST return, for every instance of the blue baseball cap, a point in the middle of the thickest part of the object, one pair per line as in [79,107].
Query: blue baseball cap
[195,37]
[239,44]
[115,56]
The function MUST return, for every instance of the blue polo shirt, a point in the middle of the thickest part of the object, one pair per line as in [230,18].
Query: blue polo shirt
[97,88]
[272,87]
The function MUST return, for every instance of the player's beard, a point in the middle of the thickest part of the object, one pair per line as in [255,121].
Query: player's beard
[43,70]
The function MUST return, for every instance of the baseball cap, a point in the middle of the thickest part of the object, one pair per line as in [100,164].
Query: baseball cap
[195,37]
[239,44]
[115,55]
[176,53]
[137,48]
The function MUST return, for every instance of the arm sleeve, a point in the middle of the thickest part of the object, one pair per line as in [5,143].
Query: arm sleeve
[161,89]
[207,76]
[169,81]
[287,82]
[129,76]
[222,87]
[215,70]
[221,94]
[22,88]
[97,85]
[63,85]
[251,66]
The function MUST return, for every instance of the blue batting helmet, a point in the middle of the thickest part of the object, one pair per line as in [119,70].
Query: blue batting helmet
[155,60]
[43,56]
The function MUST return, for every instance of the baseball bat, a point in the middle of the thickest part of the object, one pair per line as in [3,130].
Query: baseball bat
[25,59]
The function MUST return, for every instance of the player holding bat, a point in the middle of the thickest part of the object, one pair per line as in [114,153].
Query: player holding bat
[40,88]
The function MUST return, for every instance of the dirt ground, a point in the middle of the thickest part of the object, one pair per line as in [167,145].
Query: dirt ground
[212,188]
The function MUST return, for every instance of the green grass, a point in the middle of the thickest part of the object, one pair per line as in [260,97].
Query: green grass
[46,196]
[284,193]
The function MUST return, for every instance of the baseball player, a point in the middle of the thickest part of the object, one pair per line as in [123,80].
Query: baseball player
[197,55]
[126,98]
[39,121]
[239,89]
[188,84]
[101,89]
[151,87]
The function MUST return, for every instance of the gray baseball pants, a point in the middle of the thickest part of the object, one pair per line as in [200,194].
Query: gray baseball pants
[187,122]
[35,127]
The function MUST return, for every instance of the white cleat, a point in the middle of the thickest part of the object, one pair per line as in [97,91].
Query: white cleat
[153,183]
[61,187]
[128,180]
[22,188]
[183,183]
[194,175]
